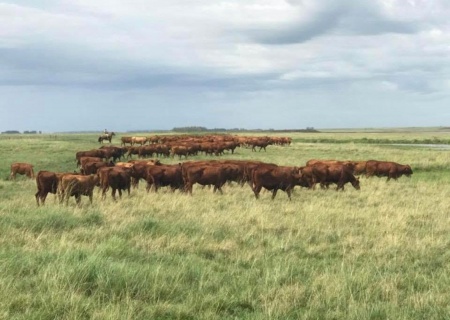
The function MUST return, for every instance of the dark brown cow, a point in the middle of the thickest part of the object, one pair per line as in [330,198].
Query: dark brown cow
[77,186]
[116,178]
[116,153]
[387,169]
[275,178]
[21,168]
[163,176]
[335,173]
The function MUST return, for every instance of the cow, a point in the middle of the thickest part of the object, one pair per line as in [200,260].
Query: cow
[262,143]
[165,175]
[140,170]
[334,173]
[274,178]
[113,152]
[203,175]
[99,153]
[84,160]
[138,140]
[91,167]
[77,185]
[389,169]
[46,182]
[21,168]
[179,151]
[116,178]
[125,140]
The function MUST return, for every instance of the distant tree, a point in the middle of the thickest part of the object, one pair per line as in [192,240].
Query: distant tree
[11,132]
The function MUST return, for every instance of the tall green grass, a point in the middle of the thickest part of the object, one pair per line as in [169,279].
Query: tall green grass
[377,253]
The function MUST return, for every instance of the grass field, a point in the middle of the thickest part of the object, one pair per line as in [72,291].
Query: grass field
[378,253]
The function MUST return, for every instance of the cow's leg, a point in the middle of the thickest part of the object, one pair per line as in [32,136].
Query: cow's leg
[289,192]
[257,190]
[274,193]
[113,193]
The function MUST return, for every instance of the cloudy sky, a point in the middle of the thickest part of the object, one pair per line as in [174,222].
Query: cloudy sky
[69,65]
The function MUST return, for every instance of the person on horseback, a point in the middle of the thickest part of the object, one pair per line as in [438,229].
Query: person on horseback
[105,131]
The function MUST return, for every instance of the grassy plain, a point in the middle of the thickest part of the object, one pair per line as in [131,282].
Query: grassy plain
[378,253]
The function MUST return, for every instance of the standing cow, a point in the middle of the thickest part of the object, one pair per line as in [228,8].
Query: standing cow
[21,168]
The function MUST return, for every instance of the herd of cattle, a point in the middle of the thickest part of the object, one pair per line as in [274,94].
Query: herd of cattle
[99,168]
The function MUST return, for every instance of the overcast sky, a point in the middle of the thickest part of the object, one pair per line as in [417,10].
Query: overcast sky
[70,65]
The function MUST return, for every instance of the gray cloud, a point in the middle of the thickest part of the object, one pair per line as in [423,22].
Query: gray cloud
[343,17]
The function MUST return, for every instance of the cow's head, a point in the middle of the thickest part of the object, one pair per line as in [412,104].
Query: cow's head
[355,184]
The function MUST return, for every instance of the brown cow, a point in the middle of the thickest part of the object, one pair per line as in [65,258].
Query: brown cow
[100,153]
[335,173]
[387,169]
[165,175]
[138,140]
[77,185]
[125,140]
[204,175]
[46,182]
[21,168]
[275,178]
[116,178]
[91,167]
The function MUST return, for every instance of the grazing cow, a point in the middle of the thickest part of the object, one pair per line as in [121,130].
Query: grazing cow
[387,169]
[21,168]
[116,178]
[275,178]
[307,179]
[334,173]
[77,186]
[165,175]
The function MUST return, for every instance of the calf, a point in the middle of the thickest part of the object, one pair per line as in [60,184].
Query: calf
[77,185]
[21,168]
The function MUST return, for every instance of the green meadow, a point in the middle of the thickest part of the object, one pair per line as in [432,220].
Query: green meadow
[382,252]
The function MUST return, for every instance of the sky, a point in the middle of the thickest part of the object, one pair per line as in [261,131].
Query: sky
[90,65]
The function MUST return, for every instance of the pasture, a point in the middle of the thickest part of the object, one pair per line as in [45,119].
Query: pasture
[378,253]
